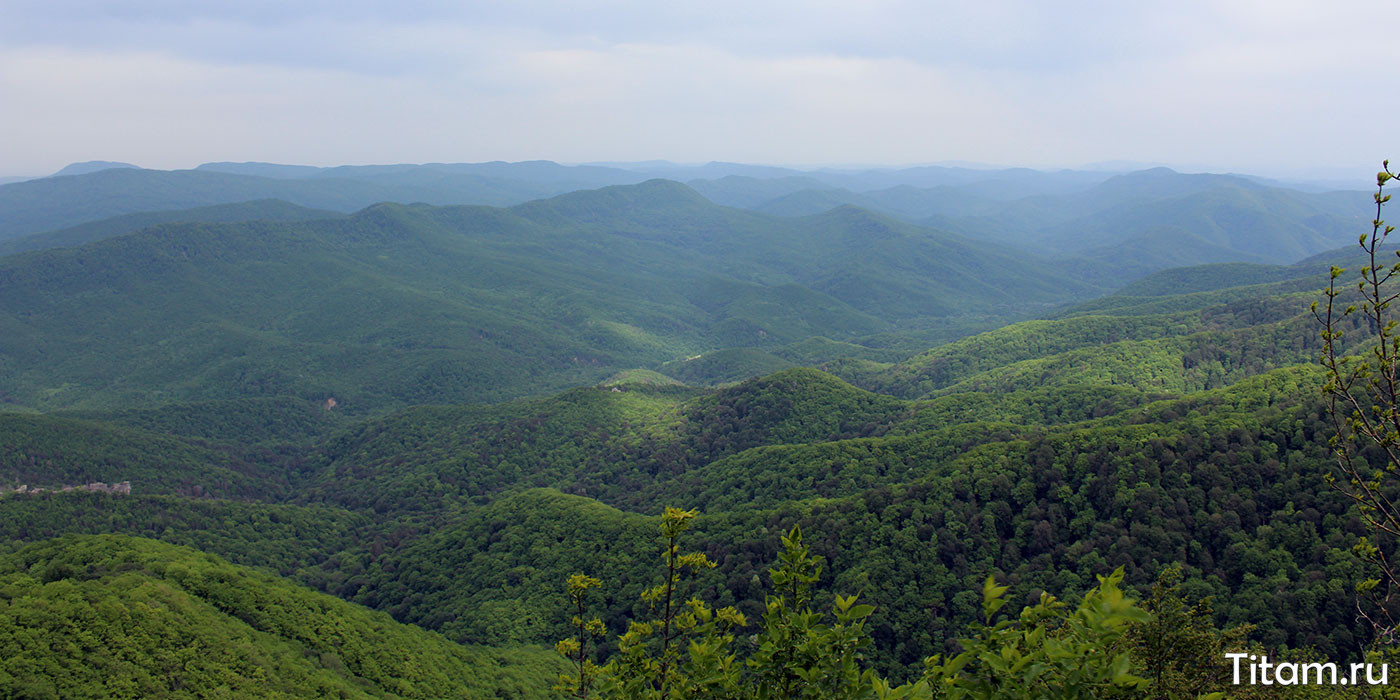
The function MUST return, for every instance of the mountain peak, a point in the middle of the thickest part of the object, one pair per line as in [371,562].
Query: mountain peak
[608,202]
[1165,182]
[91,166]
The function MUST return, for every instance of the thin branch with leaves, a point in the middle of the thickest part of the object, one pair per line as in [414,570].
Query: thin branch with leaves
[1363,400]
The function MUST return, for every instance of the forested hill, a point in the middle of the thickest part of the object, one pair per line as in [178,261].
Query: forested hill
[256,210]
[1111,229]
[1031,452]
[401,305]
[440,413]
[46,204]
[119,617]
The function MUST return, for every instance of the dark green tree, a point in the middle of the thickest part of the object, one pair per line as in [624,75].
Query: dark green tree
[1181,650]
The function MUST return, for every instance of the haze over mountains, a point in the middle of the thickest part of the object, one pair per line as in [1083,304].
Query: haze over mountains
[549,294]
[267,296]
[438,390]
[1097,216]
[1108,228]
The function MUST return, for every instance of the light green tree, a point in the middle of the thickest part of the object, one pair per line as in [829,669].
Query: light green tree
[1361,355]
[577,649]
[801,654]
[684,652]
[1050,651]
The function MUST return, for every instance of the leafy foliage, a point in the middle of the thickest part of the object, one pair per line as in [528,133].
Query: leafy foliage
[1363,391]
[1050,651]
[112,617]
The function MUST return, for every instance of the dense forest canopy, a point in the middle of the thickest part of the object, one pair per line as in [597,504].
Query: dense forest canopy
[369,444]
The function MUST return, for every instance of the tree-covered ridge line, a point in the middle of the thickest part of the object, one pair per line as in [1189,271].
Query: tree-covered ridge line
[319,546]
[116,617]
[610,437]
[45,451]
[1071,212]
[50,203]
[257,210]
[1212,277]
[407,305]
[266,421]
[1037,465]
[1158,336]
[1257,426]
[578,441]
[882,542]
[1091,379]
[1197,362]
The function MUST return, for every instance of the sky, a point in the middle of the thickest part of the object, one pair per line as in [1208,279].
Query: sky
[1277,87]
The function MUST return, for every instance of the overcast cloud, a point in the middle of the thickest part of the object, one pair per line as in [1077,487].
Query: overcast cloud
[1282,86]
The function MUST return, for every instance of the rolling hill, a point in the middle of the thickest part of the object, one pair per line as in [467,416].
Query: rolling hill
[441,412]
[118,617]
[257,210]
[47,204]
[399,305]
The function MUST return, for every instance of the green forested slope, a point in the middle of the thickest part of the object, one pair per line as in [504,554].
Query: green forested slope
[245,421]
[724,366]
[1188,363]
[316,545]
[49,452]
[404,305]
[603,442]
[1156,351]
[1206,278]
[116,617]
[1175,423]
[257,210]
[748,192]
[1225,483]
[1266,224]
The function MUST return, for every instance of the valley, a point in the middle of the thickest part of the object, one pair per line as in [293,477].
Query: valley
[373,418]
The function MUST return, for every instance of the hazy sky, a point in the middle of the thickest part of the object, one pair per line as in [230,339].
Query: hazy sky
[1257,86]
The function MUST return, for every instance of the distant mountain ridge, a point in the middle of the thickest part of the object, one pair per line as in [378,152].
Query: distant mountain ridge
[91,166]
[1089,218]
[414,304]
[90,191]
[1174,422]
[256,210]
[1110,228]
[46,204]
